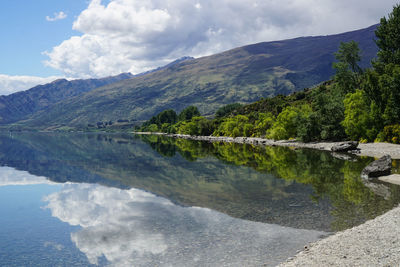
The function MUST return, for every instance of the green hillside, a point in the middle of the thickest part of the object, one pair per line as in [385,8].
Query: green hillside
[243,75]
[22,104]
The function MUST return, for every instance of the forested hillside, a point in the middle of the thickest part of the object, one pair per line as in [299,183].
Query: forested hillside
[359,103]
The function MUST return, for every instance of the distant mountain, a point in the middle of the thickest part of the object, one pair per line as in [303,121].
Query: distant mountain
[19,105]
[244,75]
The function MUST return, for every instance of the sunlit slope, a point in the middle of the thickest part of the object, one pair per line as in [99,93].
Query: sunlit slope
[244,75]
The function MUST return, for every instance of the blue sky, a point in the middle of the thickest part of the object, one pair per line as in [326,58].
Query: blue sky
[27,33]
[95,38]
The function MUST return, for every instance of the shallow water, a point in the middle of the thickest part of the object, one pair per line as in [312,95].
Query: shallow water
[120,200]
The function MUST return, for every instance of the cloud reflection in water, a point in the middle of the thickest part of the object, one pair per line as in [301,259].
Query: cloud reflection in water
[133,227]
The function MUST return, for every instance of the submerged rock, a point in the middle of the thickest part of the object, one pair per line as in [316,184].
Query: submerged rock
[377,168]
[345,146]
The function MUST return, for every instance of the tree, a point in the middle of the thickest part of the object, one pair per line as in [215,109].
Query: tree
[349,53]
[357,121]
[235,126]
[388,38]
[227,109]
[167,116]
[263,123]
[287,122]
[153,128]
[329,113]
[188,113]
[347,69]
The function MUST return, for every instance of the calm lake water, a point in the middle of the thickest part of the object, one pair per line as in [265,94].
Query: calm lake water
[124,200]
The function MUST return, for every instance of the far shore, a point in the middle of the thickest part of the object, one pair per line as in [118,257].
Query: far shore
[368,149]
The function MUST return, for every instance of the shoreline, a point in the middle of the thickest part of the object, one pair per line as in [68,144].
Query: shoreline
[375,150]
[373,243]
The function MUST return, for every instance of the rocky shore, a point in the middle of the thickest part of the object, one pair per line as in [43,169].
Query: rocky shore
[369,149]
[374,243]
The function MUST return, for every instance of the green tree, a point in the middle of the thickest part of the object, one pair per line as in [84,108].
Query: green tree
[388,38]
[329,113]
[287,122]
[188,113]
[263,123]
[152,128]
[347,69]
[356,121]
[227,109]
[167,116]
[196,126]
[235,126]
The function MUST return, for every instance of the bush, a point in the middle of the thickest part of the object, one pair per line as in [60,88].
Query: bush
[391,134]
[234,127]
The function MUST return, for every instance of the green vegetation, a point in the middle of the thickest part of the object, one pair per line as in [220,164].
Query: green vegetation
[358,104]
[227,109]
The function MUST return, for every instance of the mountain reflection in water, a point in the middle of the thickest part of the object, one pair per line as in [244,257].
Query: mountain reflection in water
[296,188]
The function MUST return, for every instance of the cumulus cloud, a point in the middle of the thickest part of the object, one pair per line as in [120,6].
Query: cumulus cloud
[136,228]
[12,84]
[11,176]
[57,16]
[135,35]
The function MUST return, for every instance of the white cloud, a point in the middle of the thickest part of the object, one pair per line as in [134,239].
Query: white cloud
[135,35]
[10,176]
[11,84]
[136,228]
[57,16]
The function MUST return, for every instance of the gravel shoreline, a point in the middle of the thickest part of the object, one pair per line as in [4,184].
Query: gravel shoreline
[374,243]
[369,149]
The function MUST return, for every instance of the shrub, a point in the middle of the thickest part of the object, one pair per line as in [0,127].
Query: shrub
[390,133]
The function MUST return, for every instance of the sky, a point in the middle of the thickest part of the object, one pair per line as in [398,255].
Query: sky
[48,39]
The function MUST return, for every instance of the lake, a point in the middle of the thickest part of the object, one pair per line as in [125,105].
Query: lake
[123,200]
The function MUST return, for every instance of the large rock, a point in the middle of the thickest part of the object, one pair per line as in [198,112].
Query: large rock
[345,146]
[377,168]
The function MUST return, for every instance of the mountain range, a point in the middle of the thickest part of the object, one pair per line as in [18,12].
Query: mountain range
[20,105]
[243,74]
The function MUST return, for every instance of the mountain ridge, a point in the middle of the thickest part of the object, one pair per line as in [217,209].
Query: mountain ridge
[243,74]
[19,105]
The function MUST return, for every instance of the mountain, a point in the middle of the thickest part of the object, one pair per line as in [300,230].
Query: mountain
[244,75]
[19,105]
